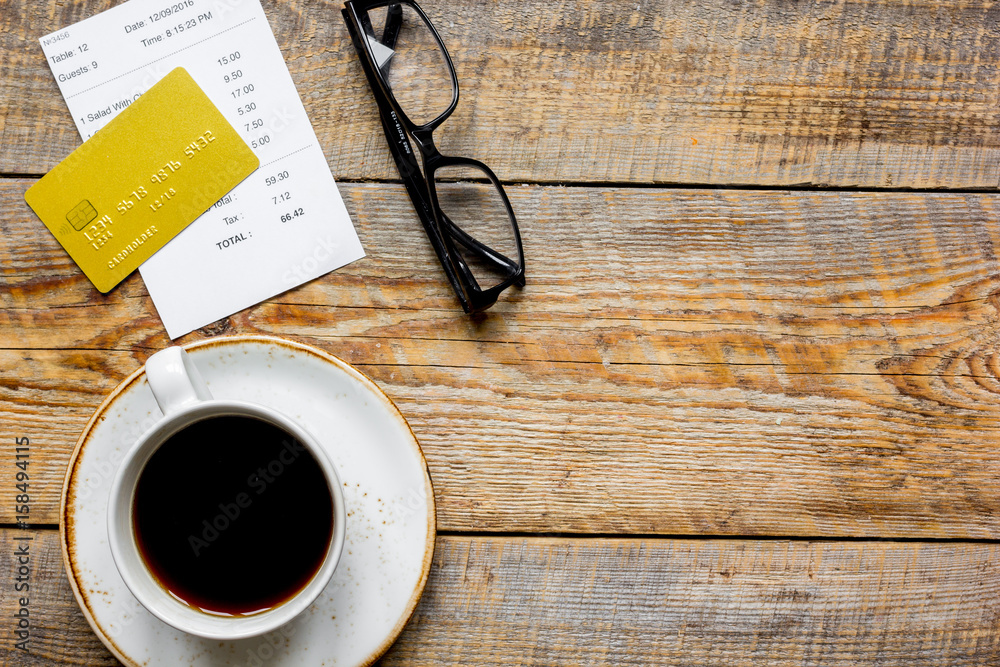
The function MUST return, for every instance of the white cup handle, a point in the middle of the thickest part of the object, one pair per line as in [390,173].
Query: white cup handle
[175,381]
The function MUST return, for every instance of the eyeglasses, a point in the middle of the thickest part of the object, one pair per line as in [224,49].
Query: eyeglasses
[460,201]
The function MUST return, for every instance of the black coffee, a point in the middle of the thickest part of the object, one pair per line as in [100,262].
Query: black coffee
[233,515]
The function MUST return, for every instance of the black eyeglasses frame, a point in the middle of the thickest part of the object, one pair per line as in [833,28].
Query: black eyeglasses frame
[397,126]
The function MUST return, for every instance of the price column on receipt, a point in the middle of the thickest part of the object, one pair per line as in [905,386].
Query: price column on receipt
[285,224]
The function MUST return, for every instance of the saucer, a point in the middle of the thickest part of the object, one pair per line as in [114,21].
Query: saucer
[387,492]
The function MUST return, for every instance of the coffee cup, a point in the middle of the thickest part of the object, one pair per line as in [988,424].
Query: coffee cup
[226,518]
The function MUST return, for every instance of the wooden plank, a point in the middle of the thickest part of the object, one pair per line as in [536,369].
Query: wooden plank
[820,263]
[544,601]
[640,602]
[868,93]
[681,362]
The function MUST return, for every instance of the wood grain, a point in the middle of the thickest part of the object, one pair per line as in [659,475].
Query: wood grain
[681,362]
[871,93]
[637,602]
[547,601]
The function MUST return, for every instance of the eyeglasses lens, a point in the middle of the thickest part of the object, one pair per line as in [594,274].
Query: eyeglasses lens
[411,62]
[470,200]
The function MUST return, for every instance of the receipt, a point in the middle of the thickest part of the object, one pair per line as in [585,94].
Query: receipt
[284,225]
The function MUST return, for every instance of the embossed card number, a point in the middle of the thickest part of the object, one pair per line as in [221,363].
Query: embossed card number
[163,174]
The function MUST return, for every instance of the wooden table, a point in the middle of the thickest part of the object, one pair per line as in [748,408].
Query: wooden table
[746,410]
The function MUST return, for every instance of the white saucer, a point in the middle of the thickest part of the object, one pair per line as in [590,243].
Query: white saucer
[388,493]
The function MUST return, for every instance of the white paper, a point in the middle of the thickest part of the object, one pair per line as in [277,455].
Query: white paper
[285,224]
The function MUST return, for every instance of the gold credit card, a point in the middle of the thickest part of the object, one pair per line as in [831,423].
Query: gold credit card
[140,180]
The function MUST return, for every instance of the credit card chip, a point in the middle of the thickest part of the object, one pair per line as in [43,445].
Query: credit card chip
[81,214]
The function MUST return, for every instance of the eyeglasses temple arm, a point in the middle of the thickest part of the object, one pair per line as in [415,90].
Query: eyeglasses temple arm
[390,32]
[416,187]
[406,162]
[393,22]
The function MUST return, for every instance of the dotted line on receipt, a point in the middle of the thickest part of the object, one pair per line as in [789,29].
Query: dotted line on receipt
[284,156]
[169,55]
